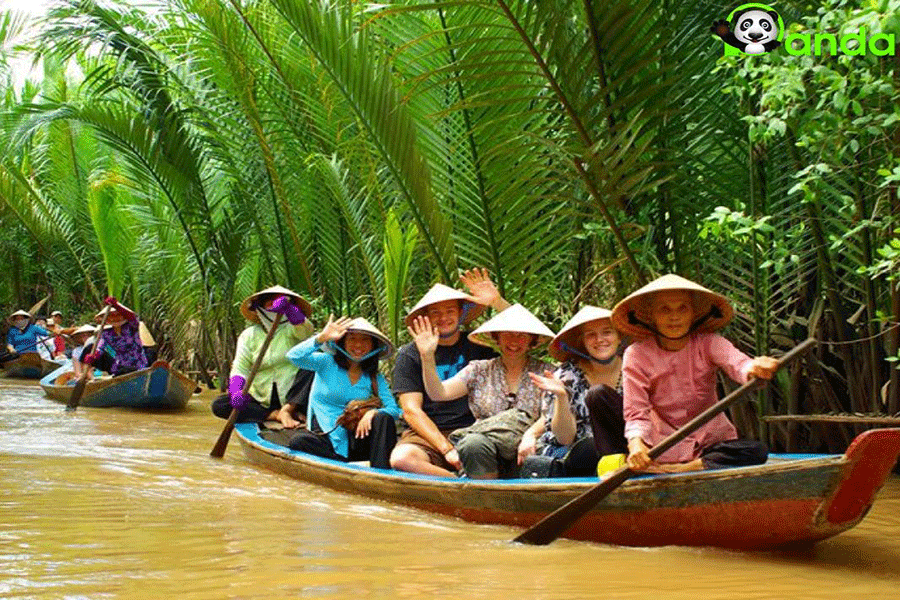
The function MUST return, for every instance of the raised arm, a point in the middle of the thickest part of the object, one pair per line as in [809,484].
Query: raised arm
[426,338]
[482,290]
[302,327]
[305,353]
[129,315]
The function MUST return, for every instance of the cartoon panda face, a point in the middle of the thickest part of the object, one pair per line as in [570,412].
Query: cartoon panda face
[756,27]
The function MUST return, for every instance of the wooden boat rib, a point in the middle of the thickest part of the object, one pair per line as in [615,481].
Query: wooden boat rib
[29,365]
[792,499]
[157,387]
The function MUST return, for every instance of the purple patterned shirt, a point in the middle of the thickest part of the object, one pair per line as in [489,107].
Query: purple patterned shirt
[128,348]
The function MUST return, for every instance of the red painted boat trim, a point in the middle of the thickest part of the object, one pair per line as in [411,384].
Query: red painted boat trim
[785,502]
[872,459]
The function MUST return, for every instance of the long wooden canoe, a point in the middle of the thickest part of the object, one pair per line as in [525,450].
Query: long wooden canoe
[29,365]
[157,387]
[792,499]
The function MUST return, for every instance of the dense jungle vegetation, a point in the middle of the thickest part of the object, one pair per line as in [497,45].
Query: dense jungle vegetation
[181,155]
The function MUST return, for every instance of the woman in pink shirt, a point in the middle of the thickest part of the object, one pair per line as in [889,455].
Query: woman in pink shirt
[669,376]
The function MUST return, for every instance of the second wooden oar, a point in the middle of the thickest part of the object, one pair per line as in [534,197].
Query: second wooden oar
[559,521]
[78,392]
[218,450]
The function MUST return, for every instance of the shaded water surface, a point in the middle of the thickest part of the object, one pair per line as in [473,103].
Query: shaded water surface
[105,503]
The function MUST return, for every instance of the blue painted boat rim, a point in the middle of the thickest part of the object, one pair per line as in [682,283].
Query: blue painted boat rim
[249,432]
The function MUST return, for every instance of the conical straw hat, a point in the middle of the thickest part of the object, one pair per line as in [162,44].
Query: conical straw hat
[570,334]
[19,313]
[636,307]
[277,290]
[363,326]
[84,329]
[516,319]
[439,293]
[145,335]
[106,309]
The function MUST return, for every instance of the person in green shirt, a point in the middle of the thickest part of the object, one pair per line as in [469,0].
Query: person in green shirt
[270,386]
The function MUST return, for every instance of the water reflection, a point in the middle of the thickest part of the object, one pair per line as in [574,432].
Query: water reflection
[119,504]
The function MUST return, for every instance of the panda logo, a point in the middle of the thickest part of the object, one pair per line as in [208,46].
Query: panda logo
[752,30]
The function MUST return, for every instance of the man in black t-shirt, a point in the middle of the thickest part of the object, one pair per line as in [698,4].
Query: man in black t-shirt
[424,447]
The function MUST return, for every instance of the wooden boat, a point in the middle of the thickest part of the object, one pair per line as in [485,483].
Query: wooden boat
[792,499]
[29,365]
[157,387]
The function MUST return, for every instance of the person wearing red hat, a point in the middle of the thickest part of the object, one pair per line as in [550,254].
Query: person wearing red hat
[669,376]
[118,349]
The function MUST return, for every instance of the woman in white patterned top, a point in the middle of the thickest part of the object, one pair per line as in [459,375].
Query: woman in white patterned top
[502,396]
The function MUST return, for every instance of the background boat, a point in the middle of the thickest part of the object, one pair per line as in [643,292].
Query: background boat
[792,499]
[29,365]
[157,387]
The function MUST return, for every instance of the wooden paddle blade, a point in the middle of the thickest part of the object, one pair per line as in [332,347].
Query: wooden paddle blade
[37,305]
[77,393]
[556,523]
[218,450]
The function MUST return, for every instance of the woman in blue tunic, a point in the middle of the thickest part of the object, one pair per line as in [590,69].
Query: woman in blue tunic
[23,335]
[344,357]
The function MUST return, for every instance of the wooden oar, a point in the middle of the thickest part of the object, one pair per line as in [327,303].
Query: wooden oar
[37,305]
[78,392]
[559,521]
[46,339]
[218,450]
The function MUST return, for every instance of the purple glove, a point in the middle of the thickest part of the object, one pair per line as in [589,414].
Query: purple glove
[284,306]
[236,391]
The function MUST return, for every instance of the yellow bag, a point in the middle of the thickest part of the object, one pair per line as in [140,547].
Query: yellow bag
[609,463]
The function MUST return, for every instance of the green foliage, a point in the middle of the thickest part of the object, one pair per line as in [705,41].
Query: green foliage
[358,152]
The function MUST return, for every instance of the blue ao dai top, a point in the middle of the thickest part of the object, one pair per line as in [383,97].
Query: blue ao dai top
[332,390]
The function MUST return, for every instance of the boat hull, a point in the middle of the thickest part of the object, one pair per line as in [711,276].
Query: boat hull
[156,387]
[790,500]
[29,366]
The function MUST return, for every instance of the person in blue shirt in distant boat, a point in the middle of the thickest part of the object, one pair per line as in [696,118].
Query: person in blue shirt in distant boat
[23,335]
[346,369]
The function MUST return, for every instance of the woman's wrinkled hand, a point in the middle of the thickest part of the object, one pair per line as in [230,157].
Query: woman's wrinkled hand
[638,455]
[286,418]
[763,367]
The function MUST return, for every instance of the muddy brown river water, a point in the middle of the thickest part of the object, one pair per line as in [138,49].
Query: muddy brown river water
[106,503]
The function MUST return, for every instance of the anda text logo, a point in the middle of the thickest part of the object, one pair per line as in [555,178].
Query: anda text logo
[754,28]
